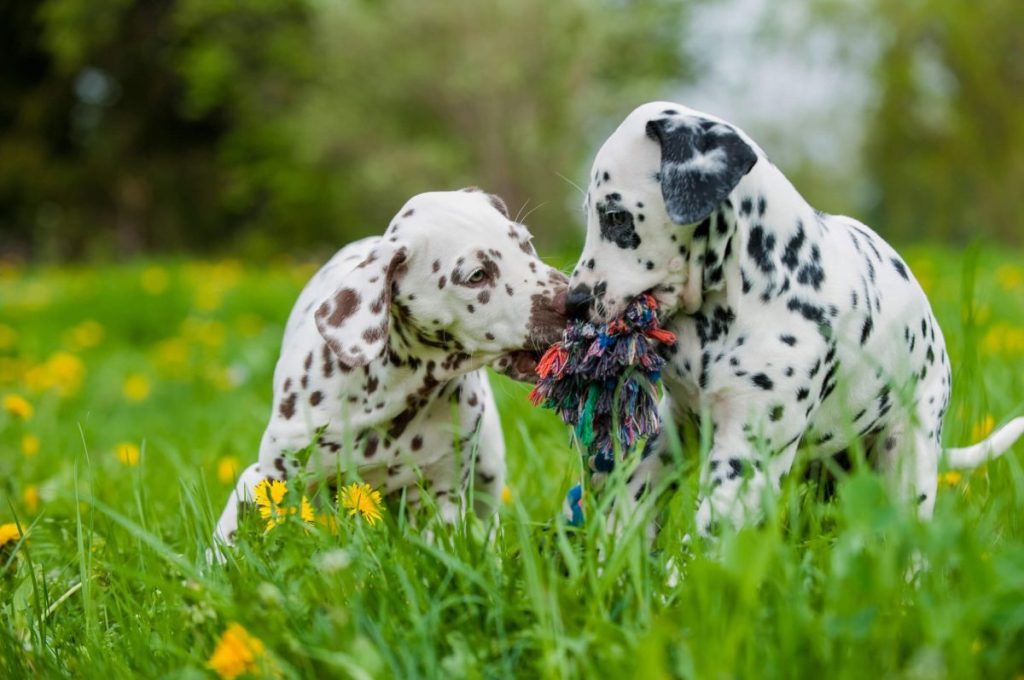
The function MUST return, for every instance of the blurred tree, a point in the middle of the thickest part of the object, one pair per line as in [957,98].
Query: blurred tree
[945,140]
[134,124]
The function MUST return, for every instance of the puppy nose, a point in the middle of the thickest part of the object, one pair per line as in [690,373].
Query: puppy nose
[577,302]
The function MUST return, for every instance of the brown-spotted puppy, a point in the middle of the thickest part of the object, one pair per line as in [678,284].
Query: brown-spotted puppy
[382,359]
[794,326]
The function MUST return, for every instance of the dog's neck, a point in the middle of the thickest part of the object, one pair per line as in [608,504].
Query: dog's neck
[752,244]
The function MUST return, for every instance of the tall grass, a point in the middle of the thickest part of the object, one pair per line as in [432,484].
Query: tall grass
[112,581]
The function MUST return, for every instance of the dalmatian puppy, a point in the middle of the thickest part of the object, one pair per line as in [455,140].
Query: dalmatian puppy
[381,366]
[794,326]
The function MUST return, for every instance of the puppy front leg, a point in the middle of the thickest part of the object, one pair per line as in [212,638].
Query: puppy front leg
[734,480]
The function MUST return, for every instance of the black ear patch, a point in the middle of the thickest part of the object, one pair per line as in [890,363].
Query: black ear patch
[701,163]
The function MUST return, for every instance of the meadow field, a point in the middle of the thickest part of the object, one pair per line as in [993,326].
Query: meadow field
[132,395]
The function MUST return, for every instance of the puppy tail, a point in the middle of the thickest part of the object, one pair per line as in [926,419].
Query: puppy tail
[993,446]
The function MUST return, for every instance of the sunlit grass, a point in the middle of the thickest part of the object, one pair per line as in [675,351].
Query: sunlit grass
[132,395]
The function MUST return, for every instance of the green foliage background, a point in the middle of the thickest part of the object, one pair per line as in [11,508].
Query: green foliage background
[255,127]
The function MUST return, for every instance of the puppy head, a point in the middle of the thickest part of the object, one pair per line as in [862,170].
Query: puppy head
[452,275]
[655,189]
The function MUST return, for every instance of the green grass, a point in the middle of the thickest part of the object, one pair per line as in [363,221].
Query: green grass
[112,583]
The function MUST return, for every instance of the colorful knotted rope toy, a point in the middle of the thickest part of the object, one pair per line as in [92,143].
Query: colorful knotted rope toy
[601,379]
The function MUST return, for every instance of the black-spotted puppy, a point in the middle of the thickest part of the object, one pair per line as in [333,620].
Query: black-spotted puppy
[383,354]
[794,326]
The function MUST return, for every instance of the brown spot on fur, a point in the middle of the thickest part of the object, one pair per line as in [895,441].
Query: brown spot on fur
[308,363]
[316,398]
[484,297]
[440,282]
[408,213]
[436,267]
[372,442]
[328,365]
[287,385]
[373,334]
[508,289]
[287,407]
[346,302]
[498,204]
[417,443]
[371,384]
[472,401]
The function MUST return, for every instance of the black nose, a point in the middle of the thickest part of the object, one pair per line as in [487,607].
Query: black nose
[577,303]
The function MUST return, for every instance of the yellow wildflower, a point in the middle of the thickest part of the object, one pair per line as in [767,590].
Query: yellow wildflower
[154,280]
[63,371]
[30,496]
[506,494]
[17,406]
[1010,277]
[86,334]
[237,652]
[983,429]
[8,336]
[270,502]
[1002,338]
[127,453]
[951,478]
[205,332]
[361,499]
[136,387]
[227,469]
[9,533]
[29,445]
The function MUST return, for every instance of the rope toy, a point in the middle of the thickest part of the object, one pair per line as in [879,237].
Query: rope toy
[601,379]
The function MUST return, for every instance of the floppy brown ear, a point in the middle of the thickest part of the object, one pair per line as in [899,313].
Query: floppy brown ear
[701,163]
[356,319]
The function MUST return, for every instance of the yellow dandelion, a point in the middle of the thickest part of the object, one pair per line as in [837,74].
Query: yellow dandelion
[983,429]
[9,533]
[29,445]
[361,499]
[270,495]
[127,453]
[951,478]
[237,652]
[17,406]
[506,494]
[227,469]
[63,371]
[136,387]
[87,334]
[8,336]
[1010,277]
[30,496]
[329,521]
[154,280]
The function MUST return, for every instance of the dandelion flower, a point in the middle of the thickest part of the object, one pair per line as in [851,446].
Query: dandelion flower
[983,428]
[30,496]
[29,445]
[87,334]
[136,388]
[951,478]
[270,502]
[154,280]
[237,652]
[8,336]
[17,406]
[227,469]
[9,533]
[506,495]
[127,453]
[361,499]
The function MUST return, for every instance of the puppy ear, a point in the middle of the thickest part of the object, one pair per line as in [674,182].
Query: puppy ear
[495,200]
[701,163]
[355,319]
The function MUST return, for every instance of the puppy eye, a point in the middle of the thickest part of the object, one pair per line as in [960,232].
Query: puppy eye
[477,277]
